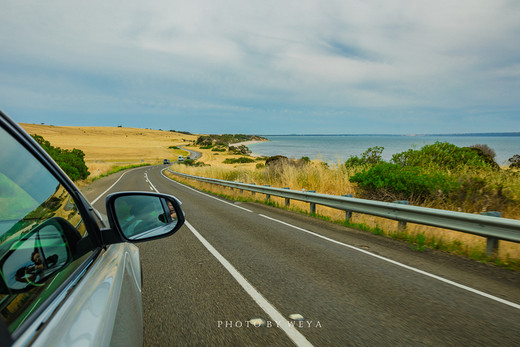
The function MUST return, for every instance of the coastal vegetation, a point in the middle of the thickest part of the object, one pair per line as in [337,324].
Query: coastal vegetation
[440,175]
[208,141]
[70,161]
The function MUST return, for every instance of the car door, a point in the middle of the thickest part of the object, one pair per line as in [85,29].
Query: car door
[59,285]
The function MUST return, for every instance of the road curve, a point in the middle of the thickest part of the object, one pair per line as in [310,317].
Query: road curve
[233,262]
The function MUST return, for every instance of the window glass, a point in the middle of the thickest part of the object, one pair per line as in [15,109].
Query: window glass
[41,233]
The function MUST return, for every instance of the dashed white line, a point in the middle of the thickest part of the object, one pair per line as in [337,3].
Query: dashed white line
[458,285]
[209,196]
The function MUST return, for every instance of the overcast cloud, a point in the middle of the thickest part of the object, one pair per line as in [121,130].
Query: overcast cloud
[268,67]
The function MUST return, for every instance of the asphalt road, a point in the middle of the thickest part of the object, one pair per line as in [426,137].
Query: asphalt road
[233,262]
[193,154]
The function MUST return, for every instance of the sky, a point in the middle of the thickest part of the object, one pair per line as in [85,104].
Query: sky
[264,67]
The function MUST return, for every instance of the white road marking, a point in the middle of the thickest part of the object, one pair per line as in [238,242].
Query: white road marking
[96,199]
[152,187]
[461,286]
[209,196]
[447,281]
[276,316]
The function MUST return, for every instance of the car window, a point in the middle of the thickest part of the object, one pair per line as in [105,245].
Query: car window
[42,234]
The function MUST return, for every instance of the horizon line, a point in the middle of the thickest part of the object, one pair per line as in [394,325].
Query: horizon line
[512,133]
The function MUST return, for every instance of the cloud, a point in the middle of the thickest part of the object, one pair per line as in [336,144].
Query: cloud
[344,60]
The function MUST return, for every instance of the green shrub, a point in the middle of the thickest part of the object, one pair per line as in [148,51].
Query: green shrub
[441,155]
[70,161]
[371,156]
[240,150]
[241,160]
[514,161]
[191,162]
[394,181]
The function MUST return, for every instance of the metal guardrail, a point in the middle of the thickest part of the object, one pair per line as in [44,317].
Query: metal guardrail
[493,228]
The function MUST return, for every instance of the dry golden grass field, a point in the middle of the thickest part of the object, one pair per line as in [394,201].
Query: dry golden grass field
[107,147]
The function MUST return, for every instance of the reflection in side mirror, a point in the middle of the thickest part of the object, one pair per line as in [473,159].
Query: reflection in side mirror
[142,216]
[35,257]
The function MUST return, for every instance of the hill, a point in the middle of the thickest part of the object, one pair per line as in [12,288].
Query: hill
[107,147]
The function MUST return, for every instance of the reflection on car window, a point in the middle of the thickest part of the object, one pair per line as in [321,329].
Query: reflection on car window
[40,232]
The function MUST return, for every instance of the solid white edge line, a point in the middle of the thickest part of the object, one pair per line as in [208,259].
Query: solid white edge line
[290,330]
[461,286]
[209,196]
[96,199]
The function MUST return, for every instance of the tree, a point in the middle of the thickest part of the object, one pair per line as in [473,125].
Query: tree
[70,161]
[514,161]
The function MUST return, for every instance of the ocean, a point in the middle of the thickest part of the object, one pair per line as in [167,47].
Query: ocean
[338,148]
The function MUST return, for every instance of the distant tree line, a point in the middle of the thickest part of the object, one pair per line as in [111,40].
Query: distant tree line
[226,139]
[70,161]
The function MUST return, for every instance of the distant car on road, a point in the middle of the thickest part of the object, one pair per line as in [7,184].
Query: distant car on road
[68,277]
[166,161]
[181,158]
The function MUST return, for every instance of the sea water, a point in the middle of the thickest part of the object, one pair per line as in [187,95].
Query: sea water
[338,148]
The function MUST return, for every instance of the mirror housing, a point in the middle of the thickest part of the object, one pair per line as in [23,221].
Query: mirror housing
[141,216]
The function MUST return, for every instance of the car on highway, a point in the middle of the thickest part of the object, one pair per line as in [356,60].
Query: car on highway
[166,161]
[181,158]
[70,276]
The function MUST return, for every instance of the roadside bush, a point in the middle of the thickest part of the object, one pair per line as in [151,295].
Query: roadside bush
[487,154]
[276,160]
[387,181]
[442,155]
[191,162]
[514,162]
[241,160]
[240,150]
[70,161]
[371,156]
[485,149]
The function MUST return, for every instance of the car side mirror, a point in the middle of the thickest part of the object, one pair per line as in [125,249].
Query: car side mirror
[37,255]
[141,216]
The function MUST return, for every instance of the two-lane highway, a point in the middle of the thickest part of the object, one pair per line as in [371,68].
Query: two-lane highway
[233,262]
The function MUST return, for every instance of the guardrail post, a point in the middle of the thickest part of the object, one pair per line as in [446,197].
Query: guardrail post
[267,196]
[287,200]
[402,224]
[348,214]
[253,193]
[313,205]
[491,242]
[241,190]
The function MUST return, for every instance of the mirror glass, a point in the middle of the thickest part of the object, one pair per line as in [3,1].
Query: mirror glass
[35,257]
[144,216]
